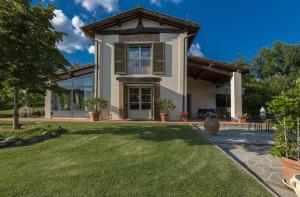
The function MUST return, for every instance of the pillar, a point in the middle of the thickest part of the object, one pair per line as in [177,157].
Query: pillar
[236,95]
[48,104]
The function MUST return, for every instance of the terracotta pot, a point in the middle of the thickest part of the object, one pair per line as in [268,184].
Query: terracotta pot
[164,117]
[212,126]
[95,116]
[242,120]
[295,183]
[290,167]
[183,118]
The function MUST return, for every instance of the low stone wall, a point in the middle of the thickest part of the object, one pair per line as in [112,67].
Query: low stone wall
[46,134]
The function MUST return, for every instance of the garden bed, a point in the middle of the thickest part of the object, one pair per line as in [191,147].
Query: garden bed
[28,135]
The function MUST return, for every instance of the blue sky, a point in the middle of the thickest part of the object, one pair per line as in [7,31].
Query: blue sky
[228,27]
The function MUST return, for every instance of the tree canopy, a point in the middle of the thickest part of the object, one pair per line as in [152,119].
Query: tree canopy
[274,70]
[29,56]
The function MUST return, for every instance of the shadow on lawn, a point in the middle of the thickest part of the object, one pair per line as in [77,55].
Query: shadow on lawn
[155,133]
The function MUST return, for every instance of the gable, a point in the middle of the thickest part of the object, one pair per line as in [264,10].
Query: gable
[139,21]
[133,23]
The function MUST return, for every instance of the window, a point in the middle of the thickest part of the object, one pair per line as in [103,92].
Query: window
[140,98]
[75,92]
[139,60]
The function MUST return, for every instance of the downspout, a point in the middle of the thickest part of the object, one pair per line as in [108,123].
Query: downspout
[184,68]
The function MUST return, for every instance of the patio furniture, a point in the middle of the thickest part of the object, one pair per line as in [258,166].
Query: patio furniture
[201,112]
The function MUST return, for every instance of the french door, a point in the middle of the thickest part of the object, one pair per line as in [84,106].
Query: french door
[140,103]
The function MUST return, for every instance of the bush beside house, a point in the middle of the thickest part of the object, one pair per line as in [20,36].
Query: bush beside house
[286,111]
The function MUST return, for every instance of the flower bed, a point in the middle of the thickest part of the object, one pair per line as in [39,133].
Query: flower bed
[27,136]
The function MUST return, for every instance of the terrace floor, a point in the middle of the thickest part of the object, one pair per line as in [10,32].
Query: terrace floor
[252,150]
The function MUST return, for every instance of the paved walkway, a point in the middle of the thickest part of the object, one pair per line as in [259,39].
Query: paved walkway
[251,150]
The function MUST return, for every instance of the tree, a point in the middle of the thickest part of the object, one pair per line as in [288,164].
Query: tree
[273,70]
[286,109]
[6,96]
[281,59]
[29,56]
[258,92]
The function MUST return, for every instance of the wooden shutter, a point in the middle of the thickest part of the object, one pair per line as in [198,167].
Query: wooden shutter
[158,58]
[120,58]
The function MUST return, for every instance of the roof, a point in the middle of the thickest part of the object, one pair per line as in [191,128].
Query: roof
[91,29]
[76,72]
[211,70]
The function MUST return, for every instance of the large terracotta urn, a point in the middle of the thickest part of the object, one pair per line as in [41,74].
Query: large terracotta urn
[295,183]
[95,116]
[212,126]
[290,168]
[164,117]
[242,120]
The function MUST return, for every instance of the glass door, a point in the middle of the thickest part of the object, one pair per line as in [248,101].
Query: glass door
[140,103]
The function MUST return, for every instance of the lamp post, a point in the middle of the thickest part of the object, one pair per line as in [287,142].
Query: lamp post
[262,113]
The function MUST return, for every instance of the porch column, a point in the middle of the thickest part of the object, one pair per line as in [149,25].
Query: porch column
[48,104]
[236,95]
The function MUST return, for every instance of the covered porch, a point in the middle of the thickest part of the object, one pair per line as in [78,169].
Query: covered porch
[213,87]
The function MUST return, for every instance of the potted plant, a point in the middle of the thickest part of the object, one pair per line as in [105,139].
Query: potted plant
[184,116]
[242,118]
[166,106]
[286,110]
[95,106]
[211,123]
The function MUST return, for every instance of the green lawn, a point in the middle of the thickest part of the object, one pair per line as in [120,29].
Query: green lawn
[6,112]
[115,159]
[10,111]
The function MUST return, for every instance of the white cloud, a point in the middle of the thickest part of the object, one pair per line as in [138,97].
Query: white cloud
[77,23]
[91,5]
[196,50]
[159,2]
[91,49]
[75,39]
[60,18]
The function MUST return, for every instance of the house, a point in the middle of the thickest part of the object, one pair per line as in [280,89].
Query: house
[142,56]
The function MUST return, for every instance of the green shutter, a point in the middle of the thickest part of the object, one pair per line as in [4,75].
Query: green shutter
[120,58]
[158,58]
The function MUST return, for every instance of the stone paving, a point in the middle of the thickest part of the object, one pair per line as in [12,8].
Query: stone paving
[252,150]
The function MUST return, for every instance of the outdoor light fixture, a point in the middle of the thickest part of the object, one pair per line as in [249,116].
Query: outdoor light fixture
[262,113]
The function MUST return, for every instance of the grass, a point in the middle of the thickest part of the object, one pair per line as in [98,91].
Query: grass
[123,159]
[31,131]
[9,112]
[6,112]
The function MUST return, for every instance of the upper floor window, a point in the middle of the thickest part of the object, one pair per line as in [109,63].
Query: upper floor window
[139,60]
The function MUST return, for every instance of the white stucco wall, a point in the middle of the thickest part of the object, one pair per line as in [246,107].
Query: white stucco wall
[171,81]
[202,95]
[108,85]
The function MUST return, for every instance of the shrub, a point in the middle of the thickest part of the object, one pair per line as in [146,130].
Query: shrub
[96,104]
[166,105]
[286,109]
